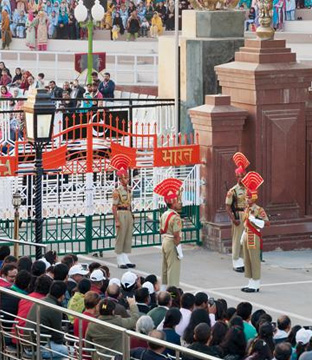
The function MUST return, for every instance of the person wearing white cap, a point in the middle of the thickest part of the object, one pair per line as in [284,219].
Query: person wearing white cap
[128,286]
[97,278]
[303,340]
[75,275]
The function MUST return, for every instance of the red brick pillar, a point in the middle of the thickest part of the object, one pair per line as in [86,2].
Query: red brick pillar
[266,80]
[220,127]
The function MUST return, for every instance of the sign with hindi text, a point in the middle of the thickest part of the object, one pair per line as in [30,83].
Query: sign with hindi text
[176,155]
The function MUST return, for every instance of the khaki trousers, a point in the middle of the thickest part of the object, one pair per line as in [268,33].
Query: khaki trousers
[237,231]
[252,259]
[123,241]
[171,265]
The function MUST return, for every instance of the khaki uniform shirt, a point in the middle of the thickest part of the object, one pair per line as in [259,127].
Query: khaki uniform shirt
[122,196]
[175,222]
[259,213]
[239,191]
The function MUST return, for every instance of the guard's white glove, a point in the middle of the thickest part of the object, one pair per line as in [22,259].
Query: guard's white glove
[259,223]
[179,251]
[242,238]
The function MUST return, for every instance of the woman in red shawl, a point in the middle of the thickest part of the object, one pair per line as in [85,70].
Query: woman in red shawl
[24,84]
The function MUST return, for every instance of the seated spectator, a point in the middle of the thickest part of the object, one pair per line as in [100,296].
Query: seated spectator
[266,334]
[17,77]
[106,337]
[42,287]
[218,332]
[142,299]
[153,279]
[198,316]
[4,252]
[39,84]
[251,18]
[24,263]
[20,28]
[175,296]
[38,268]
[51,255]
[144,27]
[158,313]
[201,300]
[154,351]
[283,329]
[229,314]
[91,300]
[113,293]
[172,319]
[303,340]
[76,302]
[282,351]
[133,26]
[201,338]
[97,278]
[68,259]
[5,78]
[234,344]
[143,326]
[259,350]
[51,319]
[5,93]
[161,9]
[244,310]
[118,25]
[187,306]
[77,92]
[24,83]
[128,286]
[60,272]
[8,274]
[10,259]
[157,25]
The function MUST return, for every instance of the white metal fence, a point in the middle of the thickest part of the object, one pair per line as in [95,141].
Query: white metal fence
[125,69]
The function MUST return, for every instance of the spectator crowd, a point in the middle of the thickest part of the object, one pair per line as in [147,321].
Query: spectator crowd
[194,321]
[70,96]
[38,21]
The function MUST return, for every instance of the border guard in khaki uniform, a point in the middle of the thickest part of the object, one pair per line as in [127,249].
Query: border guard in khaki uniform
[122,198]
[235,203]
[255,220]
[170,229]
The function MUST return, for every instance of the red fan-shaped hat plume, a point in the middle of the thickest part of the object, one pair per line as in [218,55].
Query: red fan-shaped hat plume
[252,181]
[120,162]
[168,188]
[241,162]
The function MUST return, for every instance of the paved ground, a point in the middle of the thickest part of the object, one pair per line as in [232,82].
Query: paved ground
[286,278]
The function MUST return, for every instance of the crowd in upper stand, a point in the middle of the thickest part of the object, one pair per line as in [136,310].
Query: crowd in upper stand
[195,321]
[38,21]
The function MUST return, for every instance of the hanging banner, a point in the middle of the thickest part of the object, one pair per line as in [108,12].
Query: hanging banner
[176,155]
[8,165]
[99,61]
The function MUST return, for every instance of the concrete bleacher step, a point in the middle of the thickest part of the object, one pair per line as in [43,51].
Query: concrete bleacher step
[298,26]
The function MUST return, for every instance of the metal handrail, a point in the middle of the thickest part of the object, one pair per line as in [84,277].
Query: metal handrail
[126,333]
[22,242]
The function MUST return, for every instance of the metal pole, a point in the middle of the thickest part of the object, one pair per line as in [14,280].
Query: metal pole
[16,232]
[90,50]
[177,67]
[38,200]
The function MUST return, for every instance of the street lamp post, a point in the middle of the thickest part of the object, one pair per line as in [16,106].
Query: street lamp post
[39,116]
[17,202]
[83,15]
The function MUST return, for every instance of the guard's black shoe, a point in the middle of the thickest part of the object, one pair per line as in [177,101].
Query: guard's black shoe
[131,266]
[123,266]
[240,269]
[249,290]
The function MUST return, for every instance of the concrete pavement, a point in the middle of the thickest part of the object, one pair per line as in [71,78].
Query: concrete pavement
[286,278]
